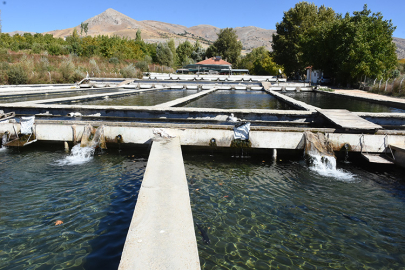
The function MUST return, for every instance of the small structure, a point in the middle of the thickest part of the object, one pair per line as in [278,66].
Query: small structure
[213,65]
[313,75]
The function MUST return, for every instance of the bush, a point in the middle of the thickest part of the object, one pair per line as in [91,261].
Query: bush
[114,60]
[142,65]
[14,47]
[37,48]
[78,75]
[17,75]
[54,49]
[24,46]
[66,69]
[4,65]
[130,72]
[3,51]
[94,69]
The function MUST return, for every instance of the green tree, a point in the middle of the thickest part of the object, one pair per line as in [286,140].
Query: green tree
[138,35]
[227,45]
[164,55]
[352,47]
[184,51]
[84,27]
[198,53]
[293,32]
[259,62]
[265,66]
[172,47]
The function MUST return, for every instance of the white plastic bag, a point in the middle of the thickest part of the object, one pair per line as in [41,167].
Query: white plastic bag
[27,124]
[242,131]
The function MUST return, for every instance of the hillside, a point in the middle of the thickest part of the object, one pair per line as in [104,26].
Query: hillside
[112,22]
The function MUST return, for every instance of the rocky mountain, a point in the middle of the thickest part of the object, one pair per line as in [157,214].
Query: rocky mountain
[112,22]
[400,42]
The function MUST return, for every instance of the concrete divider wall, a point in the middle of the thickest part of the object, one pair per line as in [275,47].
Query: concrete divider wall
[161,234]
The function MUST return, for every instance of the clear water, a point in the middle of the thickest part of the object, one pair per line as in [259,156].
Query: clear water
[93,197]
[228,99]
[55,95]
[328,101]
[257,213]
[261,214]
[149,98]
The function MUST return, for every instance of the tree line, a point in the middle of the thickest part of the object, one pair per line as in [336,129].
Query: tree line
[347,48]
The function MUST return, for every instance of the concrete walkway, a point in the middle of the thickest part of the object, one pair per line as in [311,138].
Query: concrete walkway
[190,98]
[367,96]
[162,235]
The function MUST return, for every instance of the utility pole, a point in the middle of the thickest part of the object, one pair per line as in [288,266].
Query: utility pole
[0,21]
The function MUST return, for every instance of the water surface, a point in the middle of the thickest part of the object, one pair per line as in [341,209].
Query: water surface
[284,215]
[32,97]
[149,98]
[238,99]
[330,101]
[94,198]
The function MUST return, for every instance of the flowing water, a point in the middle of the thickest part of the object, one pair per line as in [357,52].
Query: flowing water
[94,197]
[257,213]
[232,99]
[261,214]
[328,101]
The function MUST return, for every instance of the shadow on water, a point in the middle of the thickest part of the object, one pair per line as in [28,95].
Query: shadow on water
[112,231]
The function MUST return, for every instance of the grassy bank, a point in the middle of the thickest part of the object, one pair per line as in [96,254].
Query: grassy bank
[390,88]
[26,68]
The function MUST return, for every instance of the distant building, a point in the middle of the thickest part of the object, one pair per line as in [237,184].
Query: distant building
[213,65]
[313,75]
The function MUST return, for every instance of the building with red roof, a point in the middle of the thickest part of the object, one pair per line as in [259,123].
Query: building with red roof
[217,60]
[213,65]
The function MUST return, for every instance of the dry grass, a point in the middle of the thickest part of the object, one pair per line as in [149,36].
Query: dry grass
[391,88]
[47,69]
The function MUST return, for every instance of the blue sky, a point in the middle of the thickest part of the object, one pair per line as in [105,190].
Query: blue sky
[42,16]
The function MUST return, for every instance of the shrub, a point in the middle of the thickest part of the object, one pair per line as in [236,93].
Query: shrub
[3,51]
[17,75]
[54,49]
[37,48]
[78,75]
[14,47]
[130,72]
[66,69]
[142,65]
[114,60]
[4,65]
[24,46]
[94,69]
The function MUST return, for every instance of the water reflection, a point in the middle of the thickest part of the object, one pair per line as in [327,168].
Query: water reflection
[327,101]
[149,98]
[228,99]
[55,95]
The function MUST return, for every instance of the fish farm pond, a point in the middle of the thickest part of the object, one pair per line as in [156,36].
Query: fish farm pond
[258,213]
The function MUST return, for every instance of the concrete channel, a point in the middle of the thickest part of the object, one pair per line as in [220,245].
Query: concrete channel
[162,234]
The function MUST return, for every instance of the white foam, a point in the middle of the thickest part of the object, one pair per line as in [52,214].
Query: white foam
[79,155]
[326,166]
[4,140]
